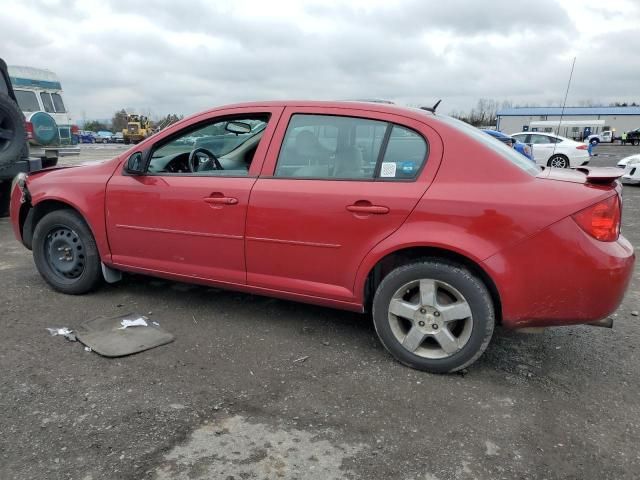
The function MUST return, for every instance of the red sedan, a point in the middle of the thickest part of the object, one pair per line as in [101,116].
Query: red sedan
[433,226]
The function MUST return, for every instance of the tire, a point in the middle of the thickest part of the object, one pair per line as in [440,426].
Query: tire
[54,233]
[452,282]
[5,197]
[560,161]
[595,141]
[12,132]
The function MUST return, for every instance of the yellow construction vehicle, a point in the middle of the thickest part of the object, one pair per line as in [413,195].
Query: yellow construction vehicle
[138,128]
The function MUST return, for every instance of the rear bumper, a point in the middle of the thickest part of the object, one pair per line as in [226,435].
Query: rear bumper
[53,152]
[580,160]
[21,166]
[561,276]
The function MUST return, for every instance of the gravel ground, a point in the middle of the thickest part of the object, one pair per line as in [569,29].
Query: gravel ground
[228,400]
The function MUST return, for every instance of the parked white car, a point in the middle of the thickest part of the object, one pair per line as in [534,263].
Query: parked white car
[555,151]
[631,167]
[602,137]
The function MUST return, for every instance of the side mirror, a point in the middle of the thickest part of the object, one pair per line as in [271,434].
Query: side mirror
[135,164]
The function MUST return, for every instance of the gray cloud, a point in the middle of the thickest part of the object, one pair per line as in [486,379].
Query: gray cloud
[178,57]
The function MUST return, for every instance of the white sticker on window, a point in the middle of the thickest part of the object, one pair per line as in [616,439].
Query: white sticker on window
[388,169]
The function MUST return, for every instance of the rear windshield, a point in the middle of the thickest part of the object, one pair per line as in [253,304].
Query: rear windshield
[57,102]
[27,101]
[46,101]
[503,150]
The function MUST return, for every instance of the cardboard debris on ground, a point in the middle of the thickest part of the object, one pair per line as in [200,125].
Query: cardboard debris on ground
[114,337]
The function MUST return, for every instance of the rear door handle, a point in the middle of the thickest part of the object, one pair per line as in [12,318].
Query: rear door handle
[368,209]
[221,200]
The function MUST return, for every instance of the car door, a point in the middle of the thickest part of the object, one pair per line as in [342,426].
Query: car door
[189,222]
[542,147]
[338,183]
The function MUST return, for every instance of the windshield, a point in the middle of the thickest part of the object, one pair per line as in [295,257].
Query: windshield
[506,152]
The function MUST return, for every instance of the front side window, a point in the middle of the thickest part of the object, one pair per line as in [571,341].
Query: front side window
[46,101]
[58,103]
[220,147]
[349,148]
[27,101]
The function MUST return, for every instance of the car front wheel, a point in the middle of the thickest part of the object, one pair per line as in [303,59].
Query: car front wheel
[65,253]
[434,315]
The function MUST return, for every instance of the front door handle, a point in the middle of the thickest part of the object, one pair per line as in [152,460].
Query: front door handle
[367,208]
[221,200]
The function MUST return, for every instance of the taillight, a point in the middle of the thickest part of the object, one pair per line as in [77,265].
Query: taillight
[74,129]
[583,147]
[28,126]
[602,220]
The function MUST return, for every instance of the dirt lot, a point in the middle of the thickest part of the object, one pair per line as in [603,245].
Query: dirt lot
[227,400]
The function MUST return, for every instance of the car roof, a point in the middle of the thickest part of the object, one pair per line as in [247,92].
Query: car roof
[373,106]
[548,134]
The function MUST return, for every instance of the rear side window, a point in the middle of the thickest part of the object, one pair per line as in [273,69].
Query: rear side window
[405,154]
[27,101]
[57,103]
[46,101]
[349,148]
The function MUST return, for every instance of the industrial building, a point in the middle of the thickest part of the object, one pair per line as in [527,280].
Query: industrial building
[577,122]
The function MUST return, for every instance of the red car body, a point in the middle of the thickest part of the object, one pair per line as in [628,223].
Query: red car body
[324,242]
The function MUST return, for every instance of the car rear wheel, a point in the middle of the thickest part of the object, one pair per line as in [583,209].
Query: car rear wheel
[558,161]
[434,315]
[65,253]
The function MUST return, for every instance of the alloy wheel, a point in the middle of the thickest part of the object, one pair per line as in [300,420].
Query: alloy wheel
[430,318]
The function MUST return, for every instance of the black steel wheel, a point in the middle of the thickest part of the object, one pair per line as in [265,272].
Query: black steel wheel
[65,253]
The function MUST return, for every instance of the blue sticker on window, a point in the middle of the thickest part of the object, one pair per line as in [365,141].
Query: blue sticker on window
[407,167]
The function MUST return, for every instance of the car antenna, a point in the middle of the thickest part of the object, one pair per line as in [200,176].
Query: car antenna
[432,109]
[564,104]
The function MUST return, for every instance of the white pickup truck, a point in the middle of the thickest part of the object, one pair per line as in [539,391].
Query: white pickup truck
[607,136]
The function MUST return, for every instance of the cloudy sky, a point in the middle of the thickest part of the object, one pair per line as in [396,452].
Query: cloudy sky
[183,56]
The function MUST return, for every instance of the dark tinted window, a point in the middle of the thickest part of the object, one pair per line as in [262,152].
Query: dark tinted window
[57,103]
[27,101]
[46,101]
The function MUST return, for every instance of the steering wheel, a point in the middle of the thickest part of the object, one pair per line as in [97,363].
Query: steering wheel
[195,165]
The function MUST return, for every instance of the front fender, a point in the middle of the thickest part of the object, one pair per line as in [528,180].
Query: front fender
[83,189]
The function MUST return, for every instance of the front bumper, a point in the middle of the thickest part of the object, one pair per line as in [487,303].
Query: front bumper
[631,174]
[18,198]
[561,276]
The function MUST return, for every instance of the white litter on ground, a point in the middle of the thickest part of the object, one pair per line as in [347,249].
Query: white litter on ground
[138,322]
